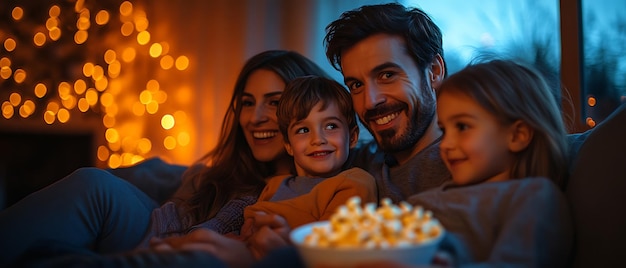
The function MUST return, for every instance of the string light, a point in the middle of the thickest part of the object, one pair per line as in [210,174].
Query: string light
[86,54]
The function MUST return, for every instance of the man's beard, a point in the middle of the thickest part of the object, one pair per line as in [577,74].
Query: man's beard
[396,140]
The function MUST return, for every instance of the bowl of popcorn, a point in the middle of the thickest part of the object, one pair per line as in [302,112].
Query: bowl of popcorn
[358,234]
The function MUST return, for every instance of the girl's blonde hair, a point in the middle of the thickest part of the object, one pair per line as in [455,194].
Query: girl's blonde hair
[513,91]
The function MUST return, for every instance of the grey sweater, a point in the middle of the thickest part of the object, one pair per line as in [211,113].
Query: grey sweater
[520,222]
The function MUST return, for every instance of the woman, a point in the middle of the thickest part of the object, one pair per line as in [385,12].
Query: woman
[94,210]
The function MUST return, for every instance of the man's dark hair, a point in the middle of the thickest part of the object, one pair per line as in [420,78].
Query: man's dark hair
[423,37]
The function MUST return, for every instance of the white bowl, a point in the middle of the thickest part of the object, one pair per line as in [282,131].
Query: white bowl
[420,254]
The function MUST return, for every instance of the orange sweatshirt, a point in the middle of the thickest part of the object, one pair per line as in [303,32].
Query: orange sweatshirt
[321,202]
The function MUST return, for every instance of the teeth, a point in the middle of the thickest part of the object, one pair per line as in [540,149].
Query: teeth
[264,135]
[386,119]
[320,153]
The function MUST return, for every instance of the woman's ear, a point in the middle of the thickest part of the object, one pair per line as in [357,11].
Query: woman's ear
[521,136]
[437,71]
[354,136]
[288,149]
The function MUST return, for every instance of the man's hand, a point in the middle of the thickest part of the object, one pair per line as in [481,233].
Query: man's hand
[231,251]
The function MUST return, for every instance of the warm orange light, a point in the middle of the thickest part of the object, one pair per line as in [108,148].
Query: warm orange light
[167,121]
[5,72]
[108,121]
[83,105]
[69,102]
[91,96]
[167,62]
[80,86]
[115,161]
[103,153]
[152,107]
[54,11]
[141,22]
[127,28]
[9,44]
[64,90]
[110,56]
[19,76]
[102,17]
[106,99]
[80,37]
[98,72]
[114,69]
[88,69]
[143,37]
[40,90]
[129,54]
[15,99]
[83,23]
[183,138]
[101,84]
[169,142]
[7,110]
[52,23]
[49,117]
[39,39]
[55,34]
[144,146]
[126,8]
[111,135]
[17,13]
[4,61]
[591,101]
[155,50]
[63,115]
[182,63]
[591,122]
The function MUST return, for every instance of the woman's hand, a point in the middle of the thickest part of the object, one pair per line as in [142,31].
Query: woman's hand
[231,251]
[265,232]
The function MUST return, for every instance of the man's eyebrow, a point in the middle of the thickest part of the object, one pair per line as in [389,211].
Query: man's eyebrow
[379,68]
[384,66]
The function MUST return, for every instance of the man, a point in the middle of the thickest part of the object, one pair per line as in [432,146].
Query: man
[391,58]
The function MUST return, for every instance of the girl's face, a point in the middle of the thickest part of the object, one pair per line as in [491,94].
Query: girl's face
[475,146]
[320,143]
[258,115]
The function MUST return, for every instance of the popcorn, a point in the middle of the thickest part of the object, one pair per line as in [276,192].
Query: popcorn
[368,226]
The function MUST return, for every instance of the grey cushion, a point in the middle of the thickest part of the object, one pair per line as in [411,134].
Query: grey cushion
[596,191]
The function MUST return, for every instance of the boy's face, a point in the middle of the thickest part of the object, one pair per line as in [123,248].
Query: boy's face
[320,143]
[475,146]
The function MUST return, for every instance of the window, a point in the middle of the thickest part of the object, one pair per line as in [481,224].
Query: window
[604,68]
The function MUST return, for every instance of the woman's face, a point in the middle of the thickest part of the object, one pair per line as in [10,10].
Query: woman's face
[258,115]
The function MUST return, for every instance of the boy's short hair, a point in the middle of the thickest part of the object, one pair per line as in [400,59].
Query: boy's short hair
[303,93]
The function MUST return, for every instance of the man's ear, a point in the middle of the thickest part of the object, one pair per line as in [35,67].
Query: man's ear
[520,136]
[354,136]
[288,148]
[437,71]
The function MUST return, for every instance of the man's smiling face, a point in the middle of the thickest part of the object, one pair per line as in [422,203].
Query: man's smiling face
[391,96]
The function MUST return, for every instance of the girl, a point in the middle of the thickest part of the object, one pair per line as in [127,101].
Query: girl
[93,210]
[504,143]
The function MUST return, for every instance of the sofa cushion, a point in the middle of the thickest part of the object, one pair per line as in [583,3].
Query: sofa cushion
[596,191]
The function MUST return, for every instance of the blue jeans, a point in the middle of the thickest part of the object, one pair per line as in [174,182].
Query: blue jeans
[90,209]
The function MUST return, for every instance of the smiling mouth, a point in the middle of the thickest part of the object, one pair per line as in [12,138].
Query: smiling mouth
[386,119]
[322,153]
[264,134]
